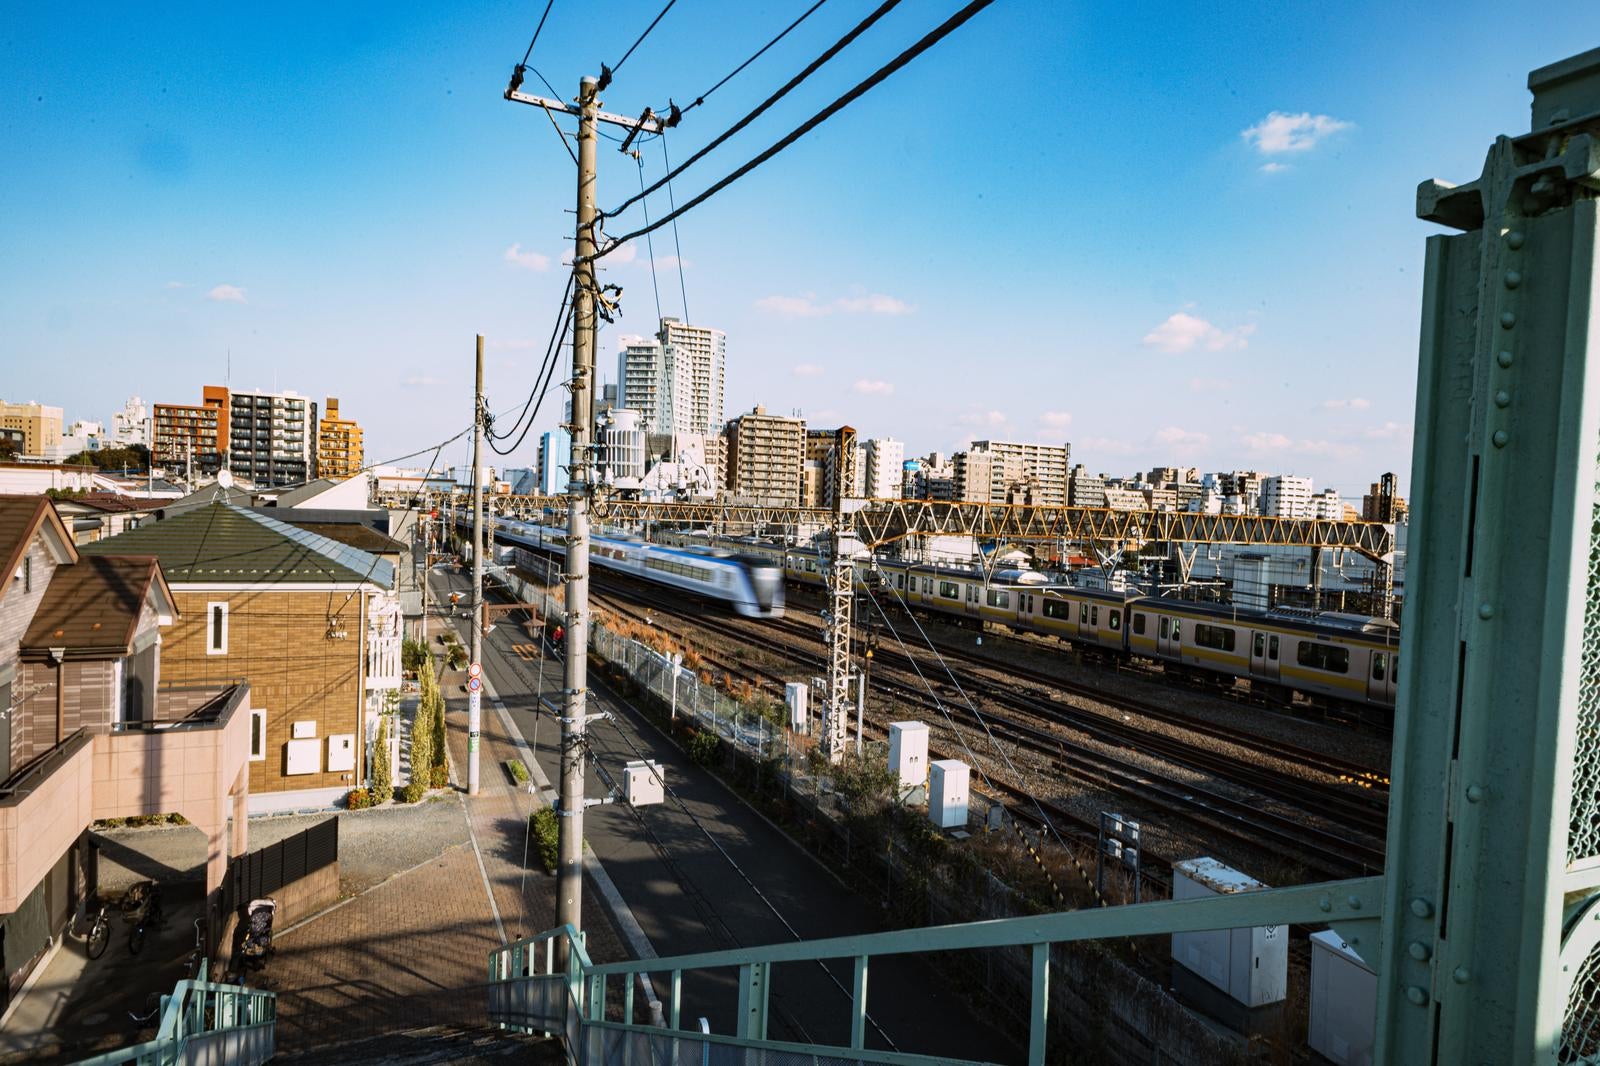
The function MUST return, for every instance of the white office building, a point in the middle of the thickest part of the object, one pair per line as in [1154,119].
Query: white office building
[131,425]
[885,467]
[1286,496]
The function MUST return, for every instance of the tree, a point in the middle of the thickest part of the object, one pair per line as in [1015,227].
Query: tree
[382,772]
[422,757]
[436,720]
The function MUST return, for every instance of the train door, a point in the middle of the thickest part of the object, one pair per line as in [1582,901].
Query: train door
[1168,637]
[1379,685]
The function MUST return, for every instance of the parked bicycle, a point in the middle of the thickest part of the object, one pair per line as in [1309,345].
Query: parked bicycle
[99,934]
[141,908]
[197,957]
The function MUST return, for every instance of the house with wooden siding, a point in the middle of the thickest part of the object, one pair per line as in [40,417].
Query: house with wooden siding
[311,623]
[90,729]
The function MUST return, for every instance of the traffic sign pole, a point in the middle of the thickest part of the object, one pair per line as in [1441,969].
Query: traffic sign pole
[474,713]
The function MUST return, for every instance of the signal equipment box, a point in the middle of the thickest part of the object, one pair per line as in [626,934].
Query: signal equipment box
[908,753]
[1250,965]
[947,793]
[794,697]
[1344,1002]
[643,783]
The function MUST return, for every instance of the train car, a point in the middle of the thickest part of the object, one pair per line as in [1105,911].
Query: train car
[751,585]
[1096,617]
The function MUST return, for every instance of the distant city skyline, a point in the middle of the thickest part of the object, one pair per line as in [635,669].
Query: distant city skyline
[1209,261]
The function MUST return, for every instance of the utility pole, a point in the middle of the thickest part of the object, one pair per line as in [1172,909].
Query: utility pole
[474,684]
[574,715]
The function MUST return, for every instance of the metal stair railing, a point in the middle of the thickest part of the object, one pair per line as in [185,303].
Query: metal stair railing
[203,1021]
[532,990]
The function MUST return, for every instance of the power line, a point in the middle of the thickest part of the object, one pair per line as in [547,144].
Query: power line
[677,248]
[566,295]
[650,242]
[811,68]
[949,26]
[607,72]
[536,30]
[541,386]
[736,70]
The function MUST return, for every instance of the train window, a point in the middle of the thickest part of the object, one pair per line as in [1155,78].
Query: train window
[1272,647]
[927,585]
[1177,629]
[1094,615]
[900,580]
[1058,609]
[1218,637]
[1260,647]
[950,590]
[1116,621]
[1083,613]
[999,599]
[1138,623]
[1165,627]
[1380,664]
[1329,657]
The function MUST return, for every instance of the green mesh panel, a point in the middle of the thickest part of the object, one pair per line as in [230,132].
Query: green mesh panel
[1580,1033]
[1584,839]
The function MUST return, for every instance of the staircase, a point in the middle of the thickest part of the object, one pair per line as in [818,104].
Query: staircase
[435,1045]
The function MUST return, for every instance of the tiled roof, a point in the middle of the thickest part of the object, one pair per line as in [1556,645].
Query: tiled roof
[219,543]
[353,534]
[92,607]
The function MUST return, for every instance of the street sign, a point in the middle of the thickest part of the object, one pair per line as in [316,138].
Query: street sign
[475,670]
[475,685]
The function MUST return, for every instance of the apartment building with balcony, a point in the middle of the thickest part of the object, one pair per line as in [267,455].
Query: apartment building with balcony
[766,454]
[339,449]
[272,437]
[192,438]
[90,728]
[314,624]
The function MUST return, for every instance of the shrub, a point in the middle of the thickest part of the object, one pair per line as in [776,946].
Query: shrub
[412,654]
[359,799]
[412,793]
[382,771]
[546,826]
[439,777]
[456,657]
[702,746]
[422,755]
[518,772]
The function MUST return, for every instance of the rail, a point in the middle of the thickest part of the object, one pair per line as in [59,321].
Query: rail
[202,1021]
[547,984]
[24,780]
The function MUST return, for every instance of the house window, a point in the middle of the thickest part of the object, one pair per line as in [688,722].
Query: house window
[27,573]
[258,734]
[216,628]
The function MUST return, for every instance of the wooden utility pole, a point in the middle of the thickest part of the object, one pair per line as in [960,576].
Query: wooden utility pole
[474,685]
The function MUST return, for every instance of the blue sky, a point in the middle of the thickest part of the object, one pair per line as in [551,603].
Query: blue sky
[1166,233]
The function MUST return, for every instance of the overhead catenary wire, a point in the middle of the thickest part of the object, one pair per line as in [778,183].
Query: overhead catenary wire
[932,38]
[536,31]
[726,78]
[606,73]
[677,248]
[649,240]
[811,68]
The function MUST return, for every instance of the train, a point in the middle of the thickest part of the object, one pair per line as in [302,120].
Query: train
[1347,660]
[750,584]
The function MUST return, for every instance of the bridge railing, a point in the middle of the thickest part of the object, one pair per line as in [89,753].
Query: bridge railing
[205,1022]
[547,983]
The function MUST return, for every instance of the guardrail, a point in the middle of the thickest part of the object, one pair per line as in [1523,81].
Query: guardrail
[547,984]
[205,1022]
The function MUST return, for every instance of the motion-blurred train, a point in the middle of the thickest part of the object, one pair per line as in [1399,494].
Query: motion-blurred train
[750,584]
[1333,658]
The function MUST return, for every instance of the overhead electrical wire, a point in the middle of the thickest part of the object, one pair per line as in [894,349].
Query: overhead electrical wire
[761,108]
[649,241]
[948,27]
[677,248]
[566,297]
[606,73]
[703,97]
[541,385]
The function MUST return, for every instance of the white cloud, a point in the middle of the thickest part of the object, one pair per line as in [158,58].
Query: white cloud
[422,381]
[984,419]
[1355,403]
[791,306]
[627,253]
[525,260]
[1056,419]
[1182,331]
[874,304]
[1103,446]
[1265,442]
[1283,132]
[807,370]
[1274,168]
[1389,431]
[226,294]
[1178,436]
[872,387]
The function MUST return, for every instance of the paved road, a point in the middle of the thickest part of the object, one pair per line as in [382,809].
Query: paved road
[759,887]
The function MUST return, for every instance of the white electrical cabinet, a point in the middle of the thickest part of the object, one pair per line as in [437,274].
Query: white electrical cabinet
[908,753]
[1250,965]
[644,783]
[947,793]
[303,757]
[1344,1002]
[341,753]
[794,697]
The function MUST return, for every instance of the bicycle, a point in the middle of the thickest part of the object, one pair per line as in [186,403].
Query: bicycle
[197,957]
[143,912]
[99,934]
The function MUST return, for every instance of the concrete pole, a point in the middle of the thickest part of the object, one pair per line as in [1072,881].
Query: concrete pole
[475,700]
[569,878]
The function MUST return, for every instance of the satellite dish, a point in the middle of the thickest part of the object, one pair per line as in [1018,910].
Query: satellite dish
[225,478]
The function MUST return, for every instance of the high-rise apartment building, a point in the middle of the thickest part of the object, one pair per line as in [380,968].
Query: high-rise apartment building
[555,456]
[340,452]
[675,380]
[191,438]
[272,437]
[39,426]
[1286,496]
[974,475]
[885,463]
[1018,471]
[131,425]
[765,456]
[857,487]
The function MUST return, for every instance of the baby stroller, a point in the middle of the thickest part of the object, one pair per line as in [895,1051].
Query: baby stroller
[257,933]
